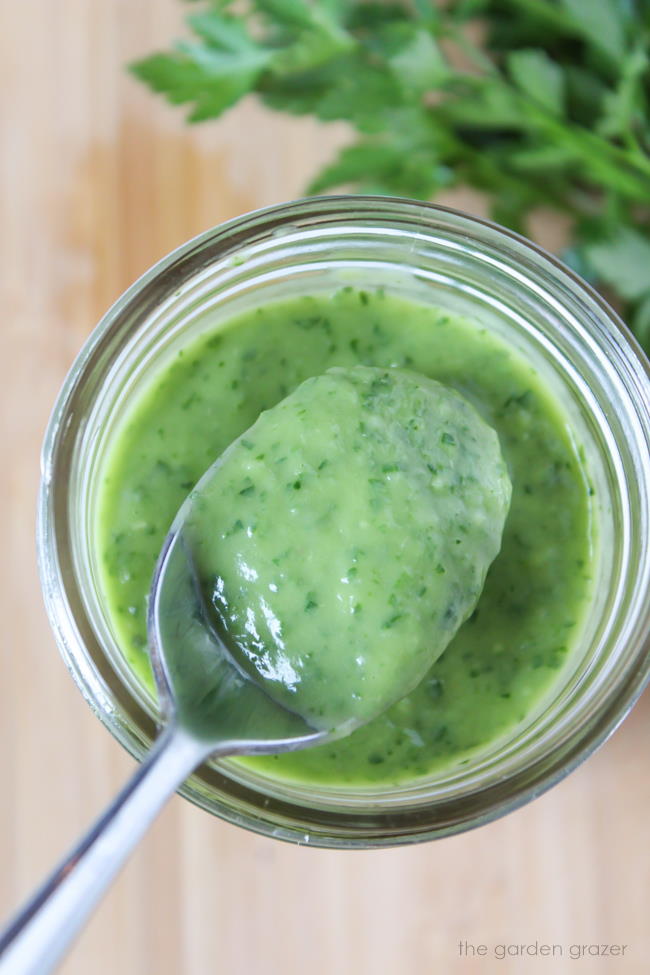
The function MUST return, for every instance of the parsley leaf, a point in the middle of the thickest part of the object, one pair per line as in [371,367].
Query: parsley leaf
[623,261]
[214,74]
[420,65]
[602,23]
[535,74]
[380,168]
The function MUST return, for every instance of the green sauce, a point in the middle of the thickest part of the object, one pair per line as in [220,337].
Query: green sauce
[507,655]
[344,538]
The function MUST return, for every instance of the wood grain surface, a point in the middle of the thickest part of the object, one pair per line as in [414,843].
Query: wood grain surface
[98,181]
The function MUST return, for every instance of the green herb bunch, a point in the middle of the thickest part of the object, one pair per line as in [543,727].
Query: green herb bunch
[535,102]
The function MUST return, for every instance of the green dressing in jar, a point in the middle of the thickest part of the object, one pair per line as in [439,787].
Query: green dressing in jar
[507,655]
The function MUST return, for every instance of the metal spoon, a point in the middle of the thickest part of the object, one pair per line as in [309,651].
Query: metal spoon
[210,708]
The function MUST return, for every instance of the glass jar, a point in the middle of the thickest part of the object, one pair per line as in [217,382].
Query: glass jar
[429,253]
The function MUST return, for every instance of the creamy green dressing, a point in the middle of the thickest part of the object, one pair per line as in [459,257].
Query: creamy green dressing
[343,539]
[506,656]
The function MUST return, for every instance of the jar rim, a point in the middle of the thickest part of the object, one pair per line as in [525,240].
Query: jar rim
[613,339]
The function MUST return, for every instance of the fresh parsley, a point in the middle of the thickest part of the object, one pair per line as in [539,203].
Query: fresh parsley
[550,106]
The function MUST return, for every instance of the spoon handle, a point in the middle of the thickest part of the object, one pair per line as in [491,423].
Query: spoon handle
[34,941]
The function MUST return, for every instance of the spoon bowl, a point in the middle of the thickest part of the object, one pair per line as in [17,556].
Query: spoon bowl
[202,688]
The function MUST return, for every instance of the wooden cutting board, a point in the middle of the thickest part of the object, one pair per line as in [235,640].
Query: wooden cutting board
[99,180]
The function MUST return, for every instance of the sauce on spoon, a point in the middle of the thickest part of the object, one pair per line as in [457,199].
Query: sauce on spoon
[342,540]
